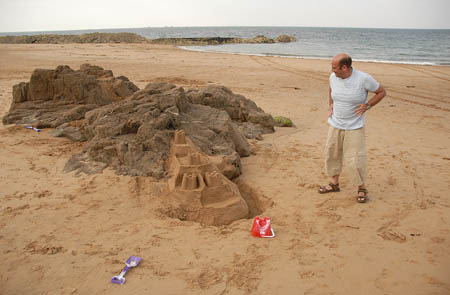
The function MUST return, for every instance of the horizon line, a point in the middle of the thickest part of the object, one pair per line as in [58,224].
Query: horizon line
[226,26]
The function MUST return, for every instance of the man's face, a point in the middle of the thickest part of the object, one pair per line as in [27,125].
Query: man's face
[338,70]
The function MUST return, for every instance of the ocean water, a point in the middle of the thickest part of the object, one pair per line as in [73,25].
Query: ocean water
[409,46]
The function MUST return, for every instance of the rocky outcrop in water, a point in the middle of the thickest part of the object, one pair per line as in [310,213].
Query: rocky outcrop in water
[83,38]
[134,38]
[285,39]
[212,40]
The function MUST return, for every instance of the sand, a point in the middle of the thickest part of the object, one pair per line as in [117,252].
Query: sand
[67,234]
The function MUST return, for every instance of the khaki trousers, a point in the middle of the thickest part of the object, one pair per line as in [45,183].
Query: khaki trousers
[348,145]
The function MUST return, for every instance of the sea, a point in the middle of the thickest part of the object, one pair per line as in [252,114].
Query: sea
[406,46]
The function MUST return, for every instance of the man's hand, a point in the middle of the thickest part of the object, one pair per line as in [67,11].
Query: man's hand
[331,111]
[379,94]
[361,109]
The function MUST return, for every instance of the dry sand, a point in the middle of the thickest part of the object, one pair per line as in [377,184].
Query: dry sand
[63,234]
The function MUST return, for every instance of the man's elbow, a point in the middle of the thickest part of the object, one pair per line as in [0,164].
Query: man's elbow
[382,92]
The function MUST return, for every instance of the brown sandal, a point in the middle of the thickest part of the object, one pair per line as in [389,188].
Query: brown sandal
[362,199]
[329,188]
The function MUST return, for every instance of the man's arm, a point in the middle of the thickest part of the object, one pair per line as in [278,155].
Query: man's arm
[330,104]
[380,93]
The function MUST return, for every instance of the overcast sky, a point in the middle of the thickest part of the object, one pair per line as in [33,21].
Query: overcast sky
[48,15]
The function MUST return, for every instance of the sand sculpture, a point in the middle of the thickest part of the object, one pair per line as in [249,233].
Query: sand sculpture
[198,190]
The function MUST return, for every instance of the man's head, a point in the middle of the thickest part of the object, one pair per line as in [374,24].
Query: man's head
[341,65]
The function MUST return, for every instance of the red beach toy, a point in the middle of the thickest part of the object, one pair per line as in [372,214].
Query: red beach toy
[261,228]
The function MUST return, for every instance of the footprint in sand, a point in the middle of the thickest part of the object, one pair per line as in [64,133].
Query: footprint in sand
[34,248]
[438,240]
[307,275]
[15,211]
[393,236]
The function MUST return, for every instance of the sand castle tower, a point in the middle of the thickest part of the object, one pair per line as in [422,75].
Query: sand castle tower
[198,191]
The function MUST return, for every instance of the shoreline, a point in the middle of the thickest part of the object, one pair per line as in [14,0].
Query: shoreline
[240,44]
[186,47]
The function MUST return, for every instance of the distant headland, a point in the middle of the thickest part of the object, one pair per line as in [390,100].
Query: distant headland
[135,38]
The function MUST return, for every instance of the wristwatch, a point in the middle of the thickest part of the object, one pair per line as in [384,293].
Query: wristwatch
[367,106]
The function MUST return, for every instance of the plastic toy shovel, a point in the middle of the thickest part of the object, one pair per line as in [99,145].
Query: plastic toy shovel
[32,128]
[133,261]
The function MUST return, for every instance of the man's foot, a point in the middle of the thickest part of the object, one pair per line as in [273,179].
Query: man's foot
[329,188]
[362,195]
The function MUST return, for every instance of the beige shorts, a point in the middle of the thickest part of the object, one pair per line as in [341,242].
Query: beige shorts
[348,145]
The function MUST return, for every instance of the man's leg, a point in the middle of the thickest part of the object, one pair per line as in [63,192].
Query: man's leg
[335,179]
[355,156]
[334,155]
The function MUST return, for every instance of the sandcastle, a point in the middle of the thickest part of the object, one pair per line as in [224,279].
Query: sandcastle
[198,191]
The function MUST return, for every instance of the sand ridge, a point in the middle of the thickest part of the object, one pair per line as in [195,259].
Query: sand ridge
[70,235]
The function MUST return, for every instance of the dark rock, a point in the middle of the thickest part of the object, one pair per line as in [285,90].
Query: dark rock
[130,130]
[133,136]
[55,97]
[244,111]
[285,39]
[84,38]
[71,132]
[134,38]
[211,40]
[259,39]
[194,41]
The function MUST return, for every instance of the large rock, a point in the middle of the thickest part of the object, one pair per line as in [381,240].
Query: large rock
[83,38]
[252,119]
[133,136]
[55,97]
[134,38]
[285,39]
[130,130]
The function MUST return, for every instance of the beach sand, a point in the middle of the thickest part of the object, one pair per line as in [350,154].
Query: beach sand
[67,234]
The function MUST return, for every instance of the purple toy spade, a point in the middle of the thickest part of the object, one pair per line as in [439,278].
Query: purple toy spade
[131,262]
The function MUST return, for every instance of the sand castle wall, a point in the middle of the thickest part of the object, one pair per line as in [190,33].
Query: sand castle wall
[198,191]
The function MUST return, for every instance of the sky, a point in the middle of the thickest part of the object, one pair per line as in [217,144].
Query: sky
[55,15]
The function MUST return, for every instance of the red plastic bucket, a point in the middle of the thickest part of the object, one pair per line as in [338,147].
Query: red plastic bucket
[262,228]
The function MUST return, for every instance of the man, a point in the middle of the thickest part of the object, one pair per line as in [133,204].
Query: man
[348,106]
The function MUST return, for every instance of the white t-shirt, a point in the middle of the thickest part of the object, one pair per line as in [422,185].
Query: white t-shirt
[347,94]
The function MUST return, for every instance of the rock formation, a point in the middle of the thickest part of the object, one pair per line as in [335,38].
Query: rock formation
[259,39]
[55,97]
[134,38]
[133,136]
[130,130]
[285,39]
[83,38]
[237,106]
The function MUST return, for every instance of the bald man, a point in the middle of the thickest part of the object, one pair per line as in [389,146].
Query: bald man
[348,104]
